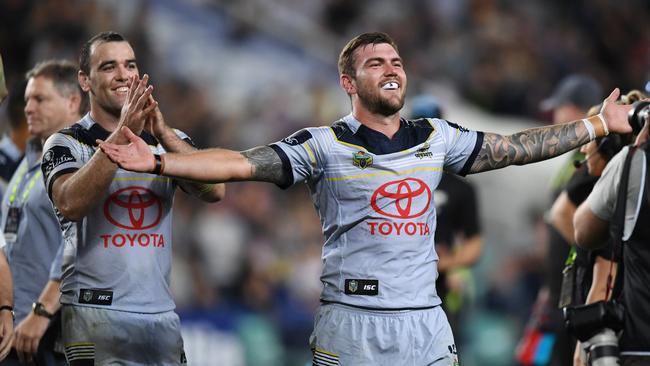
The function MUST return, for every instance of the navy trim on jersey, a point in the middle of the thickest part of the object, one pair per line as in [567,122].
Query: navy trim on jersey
[470,161]
[88,136]
[325,302]
[286,167]
[410,133]
[56,175]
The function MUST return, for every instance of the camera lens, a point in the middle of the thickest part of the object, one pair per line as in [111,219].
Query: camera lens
[603,348]
[638,115]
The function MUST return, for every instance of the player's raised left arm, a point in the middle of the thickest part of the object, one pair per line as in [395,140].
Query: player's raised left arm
[206,166]
[537,144]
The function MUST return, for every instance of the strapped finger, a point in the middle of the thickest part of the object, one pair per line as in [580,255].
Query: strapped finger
[133,84]
[142,85]
[144,97]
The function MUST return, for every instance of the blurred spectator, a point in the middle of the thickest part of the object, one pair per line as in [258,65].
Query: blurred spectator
[13,142]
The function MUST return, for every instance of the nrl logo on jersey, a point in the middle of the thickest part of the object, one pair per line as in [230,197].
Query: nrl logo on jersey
[353,286]
[87,296]
[424,152]
[361,160]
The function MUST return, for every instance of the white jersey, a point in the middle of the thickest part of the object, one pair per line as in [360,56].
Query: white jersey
[119,255]
[375,202]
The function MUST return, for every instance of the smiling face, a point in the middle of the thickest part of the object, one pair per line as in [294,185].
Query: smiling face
[379,82]
[111,66]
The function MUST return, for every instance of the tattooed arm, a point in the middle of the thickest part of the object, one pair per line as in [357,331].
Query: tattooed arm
[529,146]
[206,166]
[543,143]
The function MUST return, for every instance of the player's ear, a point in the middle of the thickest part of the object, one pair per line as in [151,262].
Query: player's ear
[348,84]
[84,81]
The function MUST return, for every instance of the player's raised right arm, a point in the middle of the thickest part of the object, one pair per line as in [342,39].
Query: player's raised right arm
[76,193]
[209,166]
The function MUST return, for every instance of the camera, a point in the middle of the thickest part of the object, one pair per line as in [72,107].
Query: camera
[595,325]
[638,115]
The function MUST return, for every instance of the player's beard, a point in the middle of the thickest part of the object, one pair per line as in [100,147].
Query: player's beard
[109,104]
[376,104]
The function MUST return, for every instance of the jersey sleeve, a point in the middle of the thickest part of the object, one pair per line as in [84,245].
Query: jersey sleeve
[462,146]
[56,271]
[298,153]
[61,155]
[183,136]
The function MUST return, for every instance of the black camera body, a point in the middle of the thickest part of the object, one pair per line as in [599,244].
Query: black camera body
[585,321]
[596,325]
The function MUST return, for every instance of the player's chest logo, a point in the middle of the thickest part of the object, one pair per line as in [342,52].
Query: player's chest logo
[362,160]
[403,199]
[401,203]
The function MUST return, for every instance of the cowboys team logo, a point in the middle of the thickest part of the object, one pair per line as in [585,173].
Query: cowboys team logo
[424,152]
[353,286]
[361,160]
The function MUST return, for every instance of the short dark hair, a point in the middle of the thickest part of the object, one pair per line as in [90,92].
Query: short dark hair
[346,58]
[63,74]
[84,55]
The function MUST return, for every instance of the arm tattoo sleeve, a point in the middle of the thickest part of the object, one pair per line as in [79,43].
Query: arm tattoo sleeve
[529,146]
[266,165]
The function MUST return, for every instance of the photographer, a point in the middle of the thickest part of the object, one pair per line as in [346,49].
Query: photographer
[592,221]
[586,271]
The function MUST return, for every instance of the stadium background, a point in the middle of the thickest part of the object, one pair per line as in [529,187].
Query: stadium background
[242,73]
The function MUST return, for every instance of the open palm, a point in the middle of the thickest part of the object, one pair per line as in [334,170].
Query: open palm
[135,156]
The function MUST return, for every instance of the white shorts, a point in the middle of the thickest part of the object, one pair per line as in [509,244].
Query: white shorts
[94,336]
[349,336]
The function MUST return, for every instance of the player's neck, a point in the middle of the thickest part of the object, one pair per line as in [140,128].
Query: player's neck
[104,118]
[387,125]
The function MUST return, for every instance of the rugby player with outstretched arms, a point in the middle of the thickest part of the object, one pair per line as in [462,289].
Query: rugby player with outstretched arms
[371,176]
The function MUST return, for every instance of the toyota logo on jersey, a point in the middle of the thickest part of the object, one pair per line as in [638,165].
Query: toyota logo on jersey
[407,198]
[403,199]
[133,208]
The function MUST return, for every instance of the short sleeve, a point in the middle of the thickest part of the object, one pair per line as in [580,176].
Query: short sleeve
[61,155]
[56,271]
[298,155]
[462,146]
